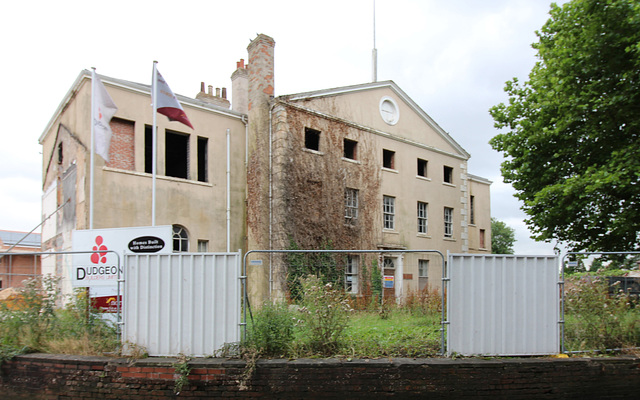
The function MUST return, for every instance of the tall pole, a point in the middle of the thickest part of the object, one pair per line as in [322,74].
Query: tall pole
[93,119]
[154,134]
[374,54]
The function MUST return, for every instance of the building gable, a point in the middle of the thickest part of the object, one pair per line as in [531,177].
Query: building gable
[383,108]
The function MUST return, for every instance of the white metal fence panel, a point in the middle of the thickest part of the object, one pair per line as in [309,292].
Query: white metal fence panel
[181,303]
[502,305]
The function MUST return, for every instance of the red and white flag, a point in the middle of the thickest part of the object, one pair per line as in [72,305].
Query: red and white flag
[166,102]
[103,110]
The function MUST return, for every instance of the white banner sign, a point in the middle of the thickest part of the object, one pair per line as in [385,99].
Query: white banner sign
[101,269]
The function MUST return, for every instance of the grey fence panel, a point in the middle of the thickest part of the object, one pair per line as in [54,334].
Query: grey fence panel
[181,303]
[503,305]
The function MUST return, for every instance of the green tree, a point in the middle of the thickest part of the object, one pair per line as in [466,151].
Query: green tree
[502,237]
[572,131]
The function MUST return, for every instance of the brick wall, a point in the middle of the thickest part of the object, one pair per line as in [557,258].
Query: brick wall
[122,149]
[41,376]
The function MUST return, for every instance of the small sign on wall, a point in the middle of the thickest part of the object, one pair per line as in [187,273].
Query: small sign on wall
[388,281]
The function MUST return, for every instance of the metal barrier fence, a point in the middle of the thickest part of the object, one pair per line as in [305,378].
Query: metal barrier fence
[610,281]
[502,305]
[181,303]
[17,267]
[392,267]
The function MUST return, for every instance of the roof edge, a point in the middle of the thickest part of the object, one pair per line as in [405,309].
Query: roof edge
[377,85]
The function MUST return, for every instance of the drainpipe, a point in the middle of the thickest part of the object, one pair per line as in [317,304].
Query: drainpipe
[228,193]
[271,201]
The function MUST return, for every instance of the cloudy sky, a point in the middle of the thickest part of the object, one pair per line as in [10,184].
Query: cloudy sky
[452,57]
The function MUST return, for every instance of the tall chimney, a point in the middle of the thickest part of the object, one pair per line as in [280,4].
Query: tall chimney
[240,88]
[260,87]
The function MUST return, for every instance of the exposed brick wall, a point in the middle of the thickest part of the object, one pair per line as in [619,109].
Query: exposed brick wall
[42,376]
[122,149]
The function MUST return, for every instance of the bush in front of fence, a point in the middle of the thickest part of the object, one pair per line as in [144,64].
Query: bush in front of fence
[35,321]
[596,320]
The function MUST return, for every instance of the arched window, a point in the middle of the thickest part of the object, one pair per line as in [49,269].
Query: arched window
[180,238]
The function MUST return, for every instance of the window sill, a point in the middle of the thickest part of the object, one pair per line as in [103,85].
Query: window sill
[423,178]
[390,231]
[312,151]
[351,160]
[159,177]
[395,171]
[448,184]
[424,235]
[449,239]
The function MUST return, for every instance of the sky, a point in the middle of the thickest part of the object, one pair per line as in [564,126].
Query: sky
[451,57]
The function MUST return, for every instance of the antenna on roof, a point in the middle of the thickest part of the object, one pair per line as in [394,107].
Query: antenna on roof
[374,54]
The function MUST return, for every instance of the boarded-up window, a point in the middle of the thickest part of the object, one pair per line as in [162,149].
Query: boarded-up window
[122,148]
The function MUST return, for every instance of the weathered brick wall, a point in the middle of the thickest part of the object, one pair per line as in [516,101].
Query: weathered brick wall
[41,376]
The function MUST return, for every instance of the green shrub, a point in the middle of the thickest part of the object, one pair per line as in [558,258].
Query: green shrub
[272,330]
[324,315]
[595,320]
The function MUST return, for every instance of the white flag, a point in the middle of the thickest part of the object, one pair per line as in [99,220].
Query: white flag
[167,103]
[103,109]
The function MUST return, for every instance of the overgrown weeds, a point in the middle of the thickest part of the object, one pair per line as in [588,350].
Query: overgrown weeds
[599,319]
[34,322]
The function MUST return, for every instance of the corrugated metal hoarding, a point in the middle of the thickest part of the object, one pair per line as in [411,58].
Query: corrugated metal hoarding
[502,305]
[181,303]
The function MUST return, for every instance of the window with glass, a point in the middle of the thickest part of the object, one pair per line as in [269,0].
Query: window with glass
[389,211]
[350,206]
[448,222]
[351,274]
[180,239]
[422,217]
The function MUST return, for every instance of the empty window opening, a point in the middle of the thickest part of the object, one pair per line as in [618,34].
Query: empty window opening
[482,239]
[60,153]
[351,274]
[422,167]
[448,222]
[388,158]
[312,139]
[203,158]
[176,154]
[350,149]
[148,149]
[448,174]
[389,211]
[422,217]
[350,206]
[180,238]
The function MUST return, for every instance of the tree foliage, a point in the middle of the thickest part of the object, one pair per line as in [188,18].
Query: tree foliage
[572,131]
[502,237]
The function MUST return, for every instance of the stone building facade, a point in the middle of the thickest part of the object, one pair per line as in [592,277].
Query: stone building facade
[356,167]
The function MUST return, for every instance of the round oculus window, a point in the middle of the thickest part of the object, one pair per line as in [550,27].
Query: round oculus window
[389,110]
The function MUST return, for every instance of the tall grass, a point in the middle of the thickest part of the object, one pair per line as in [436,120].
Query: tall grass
[35,322]
[599,319]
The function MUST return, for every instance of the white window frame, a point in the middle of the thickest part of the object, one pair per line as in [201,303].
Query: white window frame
[180,239]
[423,268]
[351,274]
[388,212]
[448,222]
[423,221]
[351,206]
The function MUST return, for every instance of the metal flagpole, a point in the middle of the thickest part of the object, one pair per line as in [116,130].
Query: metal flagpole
[154,93]
[93,119]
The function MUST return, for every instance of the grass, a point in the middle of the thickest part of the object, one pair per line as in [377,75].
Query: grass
[400,334]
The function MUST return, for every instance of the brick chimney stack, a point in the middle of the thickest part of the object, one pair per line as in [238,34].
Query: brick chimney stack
[260,93]
[209,97]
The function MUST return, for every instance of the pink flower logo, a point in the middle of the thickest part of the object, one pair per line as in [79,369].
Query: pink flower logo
[102,256]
